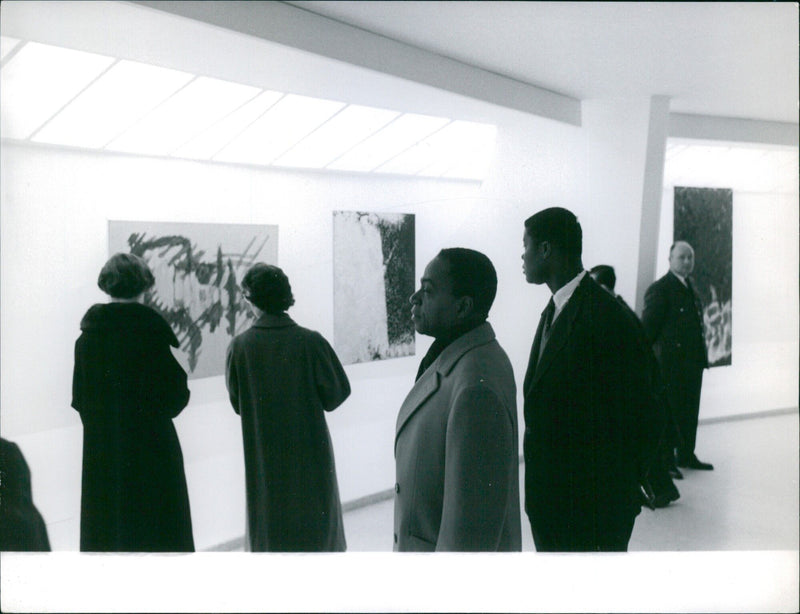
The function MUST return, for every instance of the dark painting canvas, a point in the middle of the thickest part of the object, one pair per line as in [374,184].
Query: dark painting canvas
[373,268]
[198,268]
[704,219]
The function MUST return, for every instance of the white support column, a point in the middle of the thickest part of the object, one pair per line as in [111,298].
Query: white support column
[651,195]
[616,138]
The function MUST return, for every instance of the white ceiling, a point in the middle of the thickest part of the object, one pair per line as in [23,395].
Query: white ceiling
[733,59]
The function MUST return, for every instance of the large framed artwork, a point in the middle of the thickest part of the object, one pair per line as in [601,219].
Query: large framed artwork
[198,268]
[373,278]
[704,218]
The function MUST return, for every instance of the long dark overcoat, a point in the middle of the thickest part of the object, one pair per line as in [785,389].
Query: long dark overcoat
[281,379]
[128,387]
[588,420]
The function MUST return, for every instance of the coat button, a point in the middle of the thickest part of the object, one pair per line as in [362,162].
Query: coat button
[397,487]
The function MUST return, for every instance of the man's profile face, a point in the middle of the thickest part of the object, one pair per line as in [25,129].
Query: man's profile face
[434,309]
[532,261]
[681,260]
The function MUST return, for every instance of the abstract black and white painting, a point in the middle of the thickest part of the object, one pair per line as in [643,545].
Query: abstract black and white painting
[373,268]
[198,268]
[704,218]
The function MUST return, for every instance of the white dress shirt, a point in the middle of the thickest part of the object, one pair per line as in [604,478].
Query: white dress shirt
[565,292]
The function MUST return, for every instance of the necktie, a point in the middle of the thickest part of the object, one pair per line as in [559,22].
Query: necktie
[547,322]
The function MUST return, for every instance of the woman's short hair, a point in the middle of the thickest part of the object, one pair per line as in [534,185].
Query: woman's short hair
[268,288]
[125,276]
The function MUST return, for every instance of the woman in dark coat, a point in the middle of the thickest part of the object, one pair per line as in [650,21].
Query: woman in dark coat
[128,387]
[281,379]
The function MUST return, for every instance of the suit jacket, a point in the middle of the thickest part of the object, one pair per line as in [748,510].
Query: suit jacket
[281,379]
[457,453]
[673,321]
[587,415]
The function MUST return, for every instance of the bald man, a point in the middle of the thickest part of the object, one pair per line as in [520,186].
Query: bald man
[673,322]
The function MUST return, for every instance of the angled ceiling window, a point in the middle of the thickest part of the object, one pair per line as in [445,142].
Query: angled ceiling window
[461,150]
[284,124]
[336,136]
[389,142]
[39,80]
[58,96]
[111,104]
[7,45]
[465,151]
[741,167]
[175,121]
[208,143]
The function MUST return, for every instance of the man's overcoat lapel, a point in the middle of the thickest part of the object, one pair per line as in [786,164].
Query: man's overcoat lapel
[424,387]
[431,379]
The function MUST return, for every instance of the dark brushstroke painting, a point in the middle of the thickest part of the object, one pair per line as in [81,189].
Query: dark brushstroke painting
[704,219]
[198,268]
[373,279]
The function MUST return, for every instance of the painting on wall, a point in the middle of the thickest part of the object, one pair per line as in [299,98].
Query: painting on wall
[198,268]
[704,218]
[373,278]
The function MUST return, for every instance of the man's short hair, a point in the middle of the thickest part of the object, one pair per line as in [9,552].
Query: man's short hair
[125,276]
[675,244]
[268,288]
[558,226]
[472,274]
[604,275]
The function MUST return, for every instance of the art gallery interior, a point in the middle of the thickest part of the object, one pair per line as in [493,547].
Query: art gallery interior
[602,108]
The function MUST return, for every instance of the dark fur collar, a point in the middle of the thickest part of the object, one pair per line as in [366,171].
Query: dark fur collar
[127,316]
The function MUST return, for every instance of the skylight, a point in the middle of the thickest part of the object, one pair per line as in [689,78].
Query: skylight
[336,136]
[191,110]
[59,96]
[7,45]
[461,150]
[39,80]
[283,125]
[111,104]
[744,168]
[404,132]
[206,144]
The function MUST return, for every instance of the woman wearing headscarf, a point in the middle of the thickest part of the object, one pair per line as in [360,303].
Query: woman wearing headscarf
[127,387]
[281,379]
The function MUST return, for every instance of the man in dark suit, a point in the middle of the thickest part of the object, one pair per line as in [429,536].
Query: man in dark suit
[586,401]
[457,443]
[657,483]
[673,322]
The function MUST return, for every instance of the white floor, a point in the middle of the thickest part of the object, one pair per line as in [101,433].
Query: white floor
[749,504]
[749,501]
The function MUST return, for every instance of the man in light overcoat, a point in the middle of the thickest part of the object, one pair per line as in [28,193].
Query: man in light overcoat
[456,442]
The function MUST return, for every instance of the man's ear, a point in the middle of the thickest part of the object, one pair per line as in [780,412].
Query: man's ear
[465,307]
[545,249]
